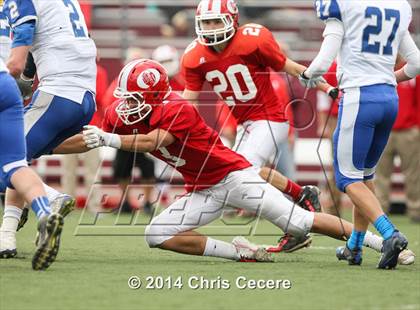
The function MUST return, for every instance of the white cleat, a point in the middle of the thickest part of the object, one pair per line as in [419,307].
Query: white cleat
[406,257]
[250,252]
[7,244]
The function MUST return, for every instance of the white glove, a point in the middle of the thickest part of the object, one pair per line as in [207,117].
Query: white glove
[310,82]
[95,137]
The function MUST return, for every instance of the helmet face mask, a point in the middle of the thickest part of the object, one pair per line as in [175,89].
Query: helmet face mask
[142,83]
[215,36]
[224,11]
[132,109]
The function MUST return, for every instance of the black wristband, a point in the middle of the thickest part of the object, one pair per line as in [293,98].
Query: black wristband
[30,68]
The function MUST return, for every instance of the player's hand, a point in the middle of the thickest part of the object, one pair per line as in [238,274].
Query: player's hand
[310,82]
[95,137]
[333,92]
[25,86]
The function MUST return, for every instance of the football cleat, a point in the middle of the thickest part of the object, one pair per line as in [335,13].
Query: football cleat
[50,228]
[353,257]
[62,205]
[250,252]
[406,257]
[391,250]
[7,244]
[23,218]
[288,243]
[309,198]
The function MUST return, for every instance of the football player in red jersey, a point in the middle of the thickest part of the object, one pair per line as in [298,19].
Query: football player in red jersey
[237,61]
[151,118]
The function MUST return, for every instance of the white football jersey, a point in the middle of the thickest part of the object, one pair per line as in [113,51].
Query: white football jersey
[5,40]
[64,54]
[373,30]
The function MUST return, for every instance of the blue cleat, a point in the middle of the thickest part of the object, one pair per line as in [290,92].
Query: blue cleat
[353,257]
[391,249]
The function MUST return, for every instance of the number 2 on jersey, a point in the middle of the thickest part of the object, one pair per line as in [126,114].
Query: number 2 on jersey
[376,13]
[78,29]
[231,74]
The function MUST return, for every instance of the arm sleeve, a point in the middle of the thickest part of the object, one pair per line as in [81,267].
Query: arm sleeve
[333,38]
[270,52]
[409,51]
[23,34]
[192,77]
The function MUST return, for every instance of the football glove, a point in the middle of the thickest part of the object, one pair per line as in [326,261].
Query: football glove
[333,92]
[312,82]
[95,137]
[25,86]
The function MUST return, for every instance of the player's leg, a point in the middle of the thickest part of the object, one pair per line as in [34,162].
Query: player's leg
[383,173]
[247,190]
[258,144]
[173,230]
[48,121]
[15,174]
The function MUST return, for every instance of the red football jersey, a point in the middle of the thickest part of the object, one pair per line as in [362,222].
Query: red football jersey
[240,74]
[408,105]
[198,153]
[331,78]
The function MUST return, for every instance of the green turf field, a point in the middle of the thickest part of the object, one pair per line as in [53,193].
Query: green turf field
[91,272]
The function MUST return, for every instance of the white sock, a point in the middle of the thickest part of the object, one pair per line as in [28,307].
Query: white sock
[52,193]
[373,241]
[218,248]
[11,218]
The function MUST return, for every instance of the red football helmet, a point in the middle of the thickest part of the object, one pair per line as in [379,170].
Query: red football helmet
[146,83]
[226,11]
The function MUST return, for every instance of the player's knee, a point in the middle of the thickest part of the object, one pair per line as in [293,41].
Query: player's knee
[155,235]
[299,223]
[8,170]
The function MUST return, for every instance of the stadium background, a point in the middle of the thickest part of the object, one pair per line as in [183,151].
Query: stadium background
[92,269]
[118,25]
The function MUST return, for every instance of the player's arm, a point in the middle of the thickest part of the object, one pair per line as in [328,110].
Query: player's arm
[191,95]
[333,38]
[17,60]
[409,51]
[299,71]
[95,137]
[72,145]
[26,79]
[22,18]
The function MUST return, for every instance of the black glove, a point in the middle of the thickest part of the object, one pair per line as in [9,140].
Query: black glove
[333,93]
